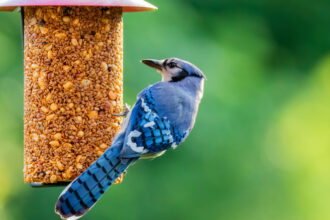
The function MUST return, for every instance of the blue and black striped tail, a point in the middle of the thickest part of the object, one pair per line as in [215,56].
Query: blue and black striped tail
[86,189]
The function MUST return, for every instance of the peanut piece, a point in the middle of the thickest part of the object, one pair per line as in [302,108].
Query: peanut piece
[75,22]
[50,117]
[57,136]
[53,179]
[104,66]
[80,133]
[74,42]
[93,114]
[44,109]
[35,137]
[99,153]
[112,95]
[53,107]
[66,19]
[68,85]
[103,146]
[71,105]
[54,143]
[60,166]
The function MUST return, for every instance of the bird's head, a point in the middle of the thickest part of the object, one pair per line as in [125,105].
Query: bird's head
[174,69]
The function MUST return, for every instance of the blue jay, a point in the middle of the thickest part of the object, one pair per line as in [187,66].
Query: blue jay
[161,118]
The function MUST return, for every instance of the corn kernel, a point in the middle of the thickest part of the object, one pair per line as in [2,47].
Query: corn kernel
[64,176]
[42,83]
[35,137]
[87,57]
[99,153]
[98,36]
[34,66]
[66,19]
[75,22]
[67,145]
[49,97]
[60,166]
[92,114]
[68,172]
[78,158]
[43,30]
[50,117]
[33,21]
[50,54]
[68,85]
[48,47]
[53,179]
[74,42]
[103,146]
[70,105]
[80,133]
[57,136]
[60,35]
[53,107]
[78,119]
[104,66]
[72,127]
[77,62]
[84,53]
[112,95]
[79,166]
[66,68]
[54,143]
[85,82]
[44,109]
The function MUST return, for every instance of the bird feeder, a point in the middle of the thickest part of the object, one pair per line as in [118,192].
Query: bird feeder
[73,83]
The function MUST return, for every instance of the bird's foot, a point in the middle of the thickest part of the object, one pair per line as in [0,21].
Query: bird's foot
[120,178]
[127,109]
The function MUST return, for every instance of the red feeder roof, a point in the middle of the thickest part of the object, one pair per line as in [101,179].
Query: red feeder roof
[127,5]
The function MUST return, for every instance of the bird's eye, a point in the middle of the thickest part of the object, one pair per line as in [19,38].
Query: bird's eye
[172,65]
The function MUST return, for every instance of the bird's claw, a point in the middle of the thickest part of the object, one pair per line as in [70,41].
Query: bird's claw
[127,109]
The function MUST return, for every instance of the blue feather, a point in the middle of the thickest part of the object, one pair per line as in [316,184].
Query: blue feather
[85,190]
[162,117]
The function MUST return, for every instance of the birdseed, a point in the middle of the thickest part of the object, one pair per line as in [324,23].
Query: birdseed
[73,88]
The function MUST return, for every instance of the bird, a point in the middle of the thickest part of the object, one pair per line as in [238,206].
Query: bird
[162,118]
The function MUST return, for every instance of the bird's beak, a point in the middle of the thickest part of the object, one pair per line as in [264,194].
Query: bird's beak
[157,64]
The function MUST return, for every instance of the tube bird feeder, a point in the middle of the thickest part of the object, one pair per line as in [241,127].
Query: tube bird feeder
[73,83]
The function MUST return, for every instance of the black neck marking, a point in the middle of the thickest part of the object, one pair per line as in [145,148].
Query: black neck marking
[183,74]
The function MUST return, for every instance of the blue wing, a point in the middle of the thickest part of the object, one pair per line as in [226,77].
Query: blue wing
[147,132]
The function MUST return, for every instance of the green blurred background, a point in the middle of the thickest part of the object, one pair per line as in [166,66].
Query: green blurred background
[261,145]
